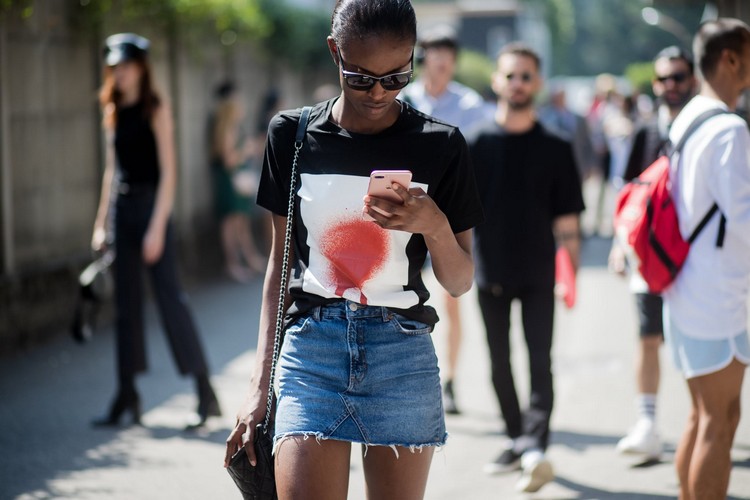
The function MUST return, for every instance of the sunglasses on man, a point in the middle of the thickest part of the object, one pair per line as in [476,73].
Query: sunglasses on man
[360,81]
[524,77]
[675,77]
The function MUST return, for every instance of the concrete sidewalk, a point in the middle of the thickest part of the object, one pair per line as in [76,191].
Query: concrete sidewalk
[48,396]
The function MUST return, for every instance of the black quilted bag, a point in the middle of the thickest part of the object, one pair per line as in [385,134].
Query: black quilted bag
[258,483]
[255,483]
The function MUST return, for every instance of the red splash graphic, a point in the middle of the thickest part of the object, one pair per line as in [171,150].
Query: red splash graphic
[357,250]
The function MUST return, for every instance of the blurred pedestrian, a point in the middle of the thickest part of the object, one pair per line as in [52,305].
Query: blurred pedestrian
[673,86]
[140,155]
[603,105]
[531,194]
[436,93]
[705,309]
[236,182]
[271,103]
[619,124]
[559,119]
[357,363]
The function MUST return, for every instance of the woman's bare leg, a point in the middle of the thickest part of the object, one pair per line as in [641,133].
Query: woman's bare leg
[402,478]
[308,469]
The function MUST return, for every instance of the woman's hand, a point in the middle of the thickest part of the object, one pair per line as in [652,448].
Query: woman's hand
[250,414]
[153,245]
[452,262]
[418,213]
[99,239]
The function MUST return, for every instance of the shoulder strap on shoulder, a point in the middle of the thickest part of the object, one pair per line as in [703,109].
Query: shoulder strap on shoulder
[302,125]
[699,120]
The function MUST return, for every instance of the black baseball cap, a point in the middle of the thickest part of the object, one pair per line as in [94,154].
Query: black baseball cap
[125,47]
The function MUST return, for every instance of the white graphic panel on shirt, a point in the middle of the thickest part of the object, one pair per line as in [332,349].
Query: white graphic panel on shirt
[351,257]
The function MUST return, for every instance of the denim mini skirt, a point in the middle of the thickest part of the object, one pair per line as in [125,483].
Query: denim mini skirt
[361,374]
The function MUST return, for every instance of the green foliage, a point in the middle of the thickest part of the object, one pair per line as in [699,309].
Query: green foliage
[640,75]
[296,35]
[475,70]
[243,17]
[25,8]
[561,20]
[596,36]
[286,32]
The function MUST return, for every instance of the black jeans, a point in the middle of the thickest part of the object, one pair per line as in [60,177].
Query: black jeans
[132,215]
[529,429]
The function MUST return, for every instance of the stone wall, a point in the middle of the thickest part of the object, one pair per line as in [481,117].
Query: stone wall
[51,153]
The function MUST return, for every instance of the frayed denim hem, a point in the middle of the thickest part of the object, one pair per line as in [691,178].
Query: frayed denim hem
[319,436]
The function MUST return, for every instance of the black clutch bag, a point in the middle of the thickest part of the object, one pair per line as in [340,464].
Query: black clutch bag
[255,483]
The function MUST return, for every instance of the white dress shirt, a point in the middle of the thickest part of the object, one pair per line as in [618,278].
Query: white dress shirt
[709,298]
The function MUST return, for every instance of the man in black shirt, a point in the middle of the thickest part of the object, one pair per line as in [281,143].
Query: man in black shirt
[530,189]
[673,85]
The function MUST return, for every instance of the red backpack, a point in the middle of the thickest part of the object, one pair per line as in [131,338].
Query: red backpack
[646,218]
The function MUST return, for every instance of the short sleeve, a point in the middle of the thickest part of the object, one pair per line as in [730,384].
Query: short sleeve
[273,188]
[567,196]
[457,194]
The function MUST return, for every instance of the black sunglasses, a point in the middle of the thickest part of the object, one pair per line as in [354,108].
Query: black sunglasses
[676,77]
[359,81]
[525,77]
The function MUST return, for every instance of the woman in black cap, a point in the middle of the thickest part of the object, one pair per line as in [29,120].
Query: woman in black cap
[140,155]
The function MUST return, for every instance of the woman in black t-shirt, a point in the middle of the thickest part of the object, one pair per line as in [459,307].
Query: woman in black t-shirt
[140,158]
[357,363]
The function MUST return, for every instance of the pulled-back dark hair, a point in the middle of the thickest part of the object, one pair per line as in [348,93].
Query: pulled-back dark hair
[359,19]
[714,37]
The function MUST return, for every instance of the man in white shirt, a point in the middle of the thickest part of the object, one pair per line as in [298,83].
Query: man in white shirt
[436,93]
[705,313]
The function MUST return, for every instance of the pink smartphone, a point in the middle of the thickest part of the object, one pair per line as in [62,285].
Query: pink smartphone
[381,181]
[380,186]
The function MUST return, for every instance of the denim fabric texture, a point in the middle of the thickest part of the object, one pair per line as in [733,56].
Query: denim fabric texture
[362,374]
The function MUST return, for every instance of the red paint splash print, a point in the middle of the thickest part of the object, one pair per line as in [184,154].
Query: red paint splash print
[356,250]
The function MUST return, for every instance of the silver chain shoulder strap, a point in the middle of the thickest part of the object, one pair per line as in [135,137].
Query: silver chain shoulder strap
[298,142]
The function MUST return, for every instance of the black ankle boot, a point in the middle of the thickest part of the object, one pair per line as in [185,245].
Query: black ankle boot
[208,403]
[126,401]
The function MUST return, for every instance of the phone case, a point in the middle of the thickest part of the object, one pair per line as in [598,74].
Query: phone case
[381,181]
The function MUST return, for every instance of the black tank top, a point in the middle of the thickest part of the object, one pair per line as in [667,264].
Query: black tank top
[135,146]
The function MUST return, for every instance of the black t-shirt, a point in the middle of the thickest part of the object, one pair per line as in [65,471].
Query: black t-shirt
[339,254]
[525,181]
[135,146]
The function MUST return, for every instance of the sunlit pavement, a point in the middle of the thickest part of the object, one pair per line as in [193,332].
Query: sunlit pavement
[48,395]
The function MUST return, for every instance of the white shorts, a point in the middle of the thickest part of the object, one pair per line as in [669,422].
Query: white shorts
[696,357]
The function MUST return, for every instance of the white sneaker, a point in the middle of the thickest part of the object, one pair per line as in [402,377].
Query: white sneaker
[643,439]
[536,472]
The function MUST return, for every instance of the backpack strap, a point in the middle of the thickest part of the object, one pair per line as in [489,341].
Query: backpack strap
[695,125]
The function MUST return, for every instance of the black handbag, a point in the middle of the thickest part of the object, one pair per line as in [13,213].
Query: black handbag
[258,482]
[95,287]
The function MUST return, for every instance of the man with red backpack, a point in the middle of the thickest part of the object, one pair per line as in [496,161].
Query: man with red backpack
[705,308]
[673,85]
